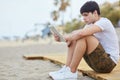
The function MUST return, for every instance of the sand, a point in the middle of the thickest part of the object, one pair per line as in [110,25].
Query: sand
[14,67]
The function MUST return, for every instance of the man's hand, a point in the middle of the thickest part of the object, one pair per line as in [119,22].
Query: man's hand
[68,39]
[73,36]
[56,37]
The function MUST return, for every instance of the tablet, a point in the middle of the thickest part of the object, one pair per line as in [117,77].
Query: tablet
[53,30]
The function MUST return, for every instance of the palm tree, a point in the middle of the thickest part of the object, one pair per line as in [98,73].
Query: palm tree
[61,9]
[55,15]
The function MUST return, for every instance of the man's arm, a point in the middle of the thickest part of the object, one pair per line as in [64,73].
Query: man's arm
[90,30]
[84,32]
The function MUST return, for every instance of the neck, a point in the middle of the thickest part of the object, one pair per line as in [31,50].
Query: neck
[98,18]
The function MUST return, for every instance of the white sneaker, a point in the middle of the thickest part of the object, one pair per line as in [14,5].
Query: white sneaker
[66,75]
[59,71]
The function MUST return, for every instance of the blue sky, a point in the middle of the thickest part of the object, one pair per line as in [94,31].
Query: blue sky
[19,16]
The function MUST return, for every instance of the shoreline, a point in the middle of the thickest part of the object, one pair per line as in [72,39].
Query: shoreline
[5,43]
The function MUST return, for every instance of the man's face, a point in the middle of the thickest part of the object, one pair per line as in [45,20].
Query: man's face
[88,17]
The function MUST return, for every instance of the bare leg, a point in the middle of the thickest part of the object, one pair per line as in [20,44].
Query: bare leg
[70,53]
[78,54]
[82,45]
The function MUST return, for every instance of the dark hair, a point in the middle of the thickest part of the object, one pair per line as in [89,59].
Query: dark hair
[90,6]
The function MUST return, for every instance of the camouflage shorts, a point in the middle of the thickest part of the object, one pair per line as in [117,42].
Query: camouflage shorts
[99,61]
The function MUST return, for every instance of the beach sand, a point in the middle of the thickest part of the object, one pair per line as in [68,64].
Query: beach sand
[14,67]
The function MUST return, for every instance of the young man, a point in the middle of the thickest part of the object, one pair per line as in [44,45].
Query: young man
[97,43]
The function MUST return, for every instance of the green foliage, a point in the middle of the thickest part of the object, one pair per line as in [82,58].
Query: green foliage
[114,16]
[73,25]
[111,11]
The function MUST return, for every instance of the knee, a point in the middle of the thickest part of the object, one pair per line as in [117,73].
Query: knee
[81,40]
[91,39]
[86,38]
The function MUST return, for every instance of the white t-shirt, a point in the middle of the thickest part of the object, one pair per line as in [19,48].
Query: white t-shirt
[108,38]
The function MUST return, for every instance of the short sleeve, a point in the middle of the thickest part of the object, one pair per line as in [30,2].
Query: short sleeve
[103,23]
